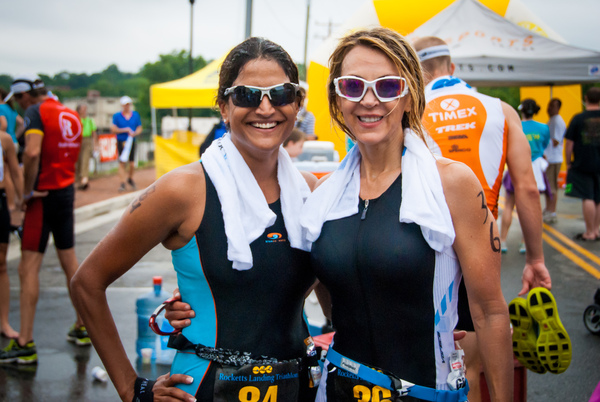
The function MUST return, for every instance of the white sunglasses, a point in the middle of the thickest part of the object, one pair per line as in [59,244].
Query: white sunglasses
[386,89]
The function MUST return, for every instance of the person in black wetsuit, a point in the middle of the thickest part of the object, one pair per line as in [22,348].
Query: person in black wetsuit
[247,286]
[393,277]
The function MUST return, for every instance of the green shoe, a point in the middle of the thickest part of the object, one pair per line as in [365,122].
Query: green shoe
[79,335]
[553,342]
[20,354]
[524,337]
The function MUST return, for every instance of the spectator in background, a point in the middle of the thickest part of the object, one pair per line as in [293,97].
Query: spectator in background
[538,136]
[9,165]
[215,133]
[52,144]
[554,156]
[583,170]
[9,118]
[89,142]
[12,123]
[127,125]
[306,120]
[293,144]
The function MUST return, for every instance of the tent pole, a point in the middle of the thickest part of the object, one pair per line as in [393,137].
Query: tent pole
[248,18]
[153,116]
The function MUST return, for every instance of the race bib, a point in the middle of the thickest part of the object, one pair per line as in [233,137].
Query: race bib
[258,383]
[342,385]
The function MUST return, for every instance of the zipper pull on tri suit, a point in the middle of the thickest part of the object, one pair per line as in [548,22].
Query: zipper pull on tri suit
[364,212]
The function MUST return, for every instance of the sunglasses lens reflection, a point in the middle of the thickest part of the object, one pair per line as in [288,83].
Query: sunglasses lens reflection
[389,88]
[251,97]
[351,87]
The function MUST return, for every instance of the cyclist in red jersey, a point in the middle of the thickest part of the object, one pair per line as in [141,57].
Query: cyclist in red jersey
[52,144]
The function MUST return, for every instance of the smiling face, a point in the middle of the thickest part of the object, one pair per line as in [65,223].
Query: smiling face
[370,120]
[263,129]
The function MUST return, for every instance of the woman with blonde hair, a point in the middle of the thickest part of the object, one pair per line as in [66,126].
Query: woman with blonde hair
[394,231]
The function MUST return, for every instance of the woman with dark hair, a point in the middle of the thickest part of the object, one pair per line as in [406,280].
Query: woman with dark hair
[232,224]
[538,136]
[9,118]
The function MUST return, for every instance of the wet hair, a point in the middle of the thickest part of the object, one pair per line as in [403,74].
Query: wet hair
[252,49]
[295,136]
[593,95]
[528,108]
[437,65]
[404,57]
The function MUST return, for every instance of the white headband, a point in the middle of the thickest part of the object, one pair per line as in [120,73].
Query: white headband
[433,52]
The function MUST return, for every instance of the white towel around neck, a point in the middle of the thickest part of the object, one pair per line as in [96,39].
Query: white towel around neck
[246,213]
[423,200]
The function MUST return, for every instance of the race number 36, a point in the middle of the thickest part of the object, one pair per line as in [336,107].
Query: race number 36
[375,394]
[252,394]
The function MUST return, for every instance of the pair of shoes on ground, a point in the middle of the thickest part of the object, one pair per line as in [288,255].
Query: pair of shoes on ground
[131,184]
[579,236]
[504,248]
[15,353]
[540,341]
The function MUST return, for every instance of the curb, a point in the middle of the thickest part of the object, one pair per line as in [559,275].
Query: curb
[103,207]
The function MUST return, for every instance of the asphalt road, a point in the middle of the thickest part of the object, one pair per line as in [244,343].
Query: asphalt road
[64,370]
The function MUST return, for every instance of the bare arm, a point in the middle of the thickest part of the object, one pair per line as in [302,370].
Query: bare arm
[527,201]
[31,160]
[3,123]
[10,157]
[477,246]
[568,152]
[169,211]
[116,130]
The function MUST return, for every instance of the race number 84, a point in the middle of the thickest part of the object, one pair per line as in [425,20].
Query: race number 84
[375,394]
[252,394]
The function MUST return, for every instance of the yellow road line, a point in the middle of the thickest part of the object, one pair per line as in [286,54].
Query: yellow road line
[572,244]
[570,255]
[564,250]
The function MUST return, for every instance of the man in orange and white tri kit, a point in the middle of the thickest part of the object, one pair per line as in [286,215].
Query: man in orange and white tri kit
[484,133]
[52,145]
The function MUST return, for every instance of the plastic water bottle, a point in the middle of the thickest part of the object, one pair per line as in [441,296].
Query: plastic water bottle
[146,304]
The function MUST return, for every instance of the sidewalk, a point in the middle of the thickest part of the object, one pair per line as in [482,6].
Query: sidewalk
[106,187]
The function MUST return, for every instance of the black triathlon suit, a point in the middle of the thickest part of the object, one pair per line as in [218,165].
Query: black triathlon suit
[259,310]
[380,275]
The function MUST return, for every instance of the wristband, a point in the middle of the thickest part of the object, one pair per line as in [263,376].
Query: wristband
[27,197]
[142,390]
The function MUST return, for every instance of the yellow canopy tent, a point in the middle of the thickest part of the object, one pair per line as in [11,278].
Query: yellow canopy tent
[197,90]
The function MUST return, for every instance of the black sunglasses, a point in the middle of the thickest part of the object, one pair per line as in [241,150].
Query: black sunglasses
[249,96]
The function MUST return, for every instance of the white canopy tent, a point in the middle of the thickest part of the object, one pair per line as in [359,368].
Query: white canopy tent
[489,50]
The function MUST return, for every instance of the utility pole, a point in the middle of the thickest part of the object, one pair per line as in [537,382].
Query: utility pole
[191,60]
[248,18]
[306,38]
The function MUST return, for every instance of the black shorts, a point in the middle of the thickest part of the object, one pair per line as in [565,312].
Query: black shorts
[583,185]
[50,214]
[465,322]
[4,218]
[121,144]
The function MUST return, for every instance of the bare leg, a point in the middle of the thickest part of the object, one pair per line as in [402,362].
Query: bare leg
[473,365]
[7,330]
[509,205]
[69,264]
[131,169]
[29,270]
[589,209]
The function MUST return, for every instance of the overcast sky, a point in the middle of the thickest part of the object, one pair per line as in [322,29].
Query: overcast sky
[49,36]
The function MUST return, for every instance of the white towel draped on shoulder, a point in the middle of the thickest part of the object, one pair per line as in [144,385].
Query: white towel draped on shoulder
[246,213]
[423,200]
